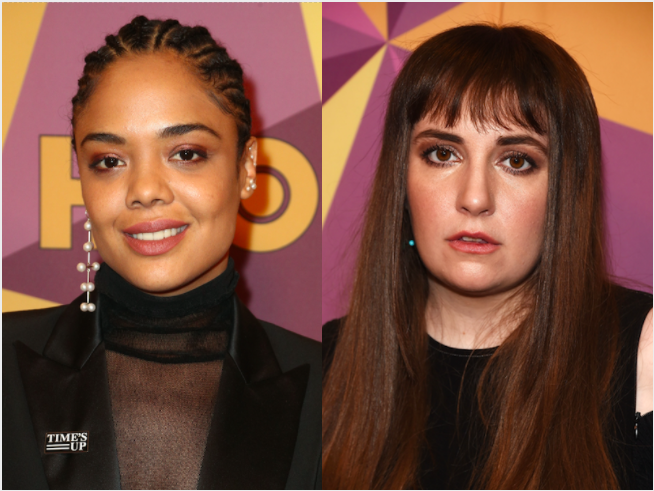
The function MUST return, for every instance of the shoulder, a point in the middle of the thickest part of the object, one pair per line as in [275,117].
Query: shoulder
[644,368]
[291,349]
[633,307]
[635,310]
[32,327]
[330,333]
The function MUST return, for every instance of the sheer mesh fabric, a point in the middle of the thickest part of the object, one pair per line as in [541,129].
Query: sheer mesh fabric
[162,414]
[164,361]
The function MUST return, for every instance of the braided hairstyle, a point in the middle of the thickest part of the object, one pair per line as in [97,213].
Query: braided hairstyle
[211,61]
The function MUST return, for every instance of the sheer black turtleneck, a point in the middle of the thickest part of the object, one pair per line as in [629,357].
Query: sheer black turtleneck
[164,361]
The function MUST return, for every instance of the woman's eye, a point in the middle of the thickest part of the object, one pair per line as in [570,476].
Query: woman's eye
[108,163]
[188,155]
[518,163]
[443,155]
[440,155]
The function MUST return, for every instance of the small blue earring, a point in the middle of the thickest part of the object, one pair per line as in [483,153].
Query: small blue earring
[412,242]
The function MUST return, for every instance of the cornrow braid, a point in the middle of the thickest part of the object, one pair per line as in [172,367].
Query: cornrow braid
[195,44]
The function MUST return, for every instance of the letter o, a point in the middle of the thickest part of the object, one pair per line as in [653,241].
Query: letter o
[287,201]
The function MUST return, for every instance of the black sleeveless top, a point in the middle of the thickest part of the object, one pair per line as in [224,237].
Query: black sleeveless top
[455,437]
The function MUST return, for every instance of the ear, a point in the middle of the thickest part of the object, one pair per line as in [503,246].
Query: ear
[249,170]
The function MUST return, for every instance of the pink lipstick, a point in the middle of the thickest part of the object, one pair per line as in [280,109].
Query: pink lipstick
[156,237]
[473,243]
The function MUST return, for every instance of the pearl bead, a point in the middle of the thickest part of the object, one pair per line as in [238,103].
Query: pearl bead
[83,287]
[84,307]
[88,246]
[90,287]
[95,266]
[87,225]
[254,186]
[81,267]
[90,307]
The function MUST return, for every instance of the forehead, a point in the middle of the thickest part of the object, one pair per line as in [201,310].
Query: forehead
[137,66]
[140,91]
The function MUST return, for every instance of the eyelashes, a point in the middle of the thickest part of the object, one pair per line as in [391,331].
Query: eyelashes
[106,163]
[517,163]
[185,156]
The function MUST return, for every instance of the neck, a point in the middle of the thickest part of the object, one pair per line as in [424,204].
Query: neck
[469,322]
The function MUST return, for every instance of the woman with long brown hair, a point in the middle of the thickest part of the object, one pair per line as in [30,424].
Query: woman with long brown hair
[484,231]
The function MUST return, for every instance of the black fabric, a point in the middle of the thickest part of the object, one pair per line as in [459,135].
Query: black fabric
[454,430]
[192,327]
[455,434]
[266,434]
[642,477]
[164,362]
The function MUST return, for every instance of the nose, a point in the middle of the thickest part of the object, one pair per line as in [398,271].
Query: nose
[148,185]
[475,191]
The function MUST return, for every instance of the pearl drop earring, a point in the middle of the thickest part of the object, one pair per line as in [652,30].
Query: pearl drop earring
[254,162]
[88,287]
[253,184]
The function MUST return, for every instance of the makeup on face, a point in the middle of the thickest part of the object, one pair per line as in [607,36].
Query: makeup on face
[477,201]
[161,178]
[155,237]
[473,243]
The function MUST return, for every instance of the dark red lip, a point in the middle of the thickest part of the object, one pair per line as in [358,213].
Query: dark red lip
[154,226]
[474,235]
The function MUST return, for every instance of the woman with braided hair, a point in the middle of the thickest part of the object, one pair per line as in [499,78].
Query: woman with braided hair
[158,377]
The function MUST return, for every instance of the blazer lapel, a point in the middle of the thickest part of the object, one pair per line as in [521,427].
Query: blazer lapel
[67,391]
[255,423]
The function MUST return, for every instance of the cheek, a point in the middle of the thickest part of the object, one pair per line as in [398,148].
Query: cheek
[104,203]
[524,219]
[428,206]
[211,199]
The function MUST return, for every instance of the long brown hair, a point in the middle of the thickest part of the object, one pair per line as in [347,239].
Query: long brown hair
[557,364]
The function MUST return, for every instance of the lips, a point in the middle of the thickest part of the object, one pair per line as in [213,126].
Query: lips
[156,237]
[474,235]
[473,243]
[154,226]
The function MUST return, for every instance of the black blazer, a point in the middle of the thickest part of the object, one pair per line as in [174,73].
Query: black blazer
[266,427]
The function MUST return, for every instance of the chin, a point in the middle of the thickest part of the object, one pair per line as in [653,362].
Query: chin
[472,283]
[154,279]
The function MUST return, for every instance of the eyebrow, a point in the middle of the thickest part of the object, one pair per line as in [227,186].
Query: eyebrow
[183,129]
[521,139]
[103,138]
[502,141]
[170,131]
[440,135]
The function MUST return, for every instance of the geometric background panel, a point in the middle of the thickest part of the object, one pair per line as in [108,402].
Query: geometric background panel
[340,69]
[405,16]
[350,15]
[614,47]
[272,43]
[377,12]
[21,24]
[341,118]
[342,40]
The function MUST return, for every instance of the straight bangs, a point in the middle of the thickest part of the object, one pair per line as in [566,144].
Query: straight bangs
[493,76]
